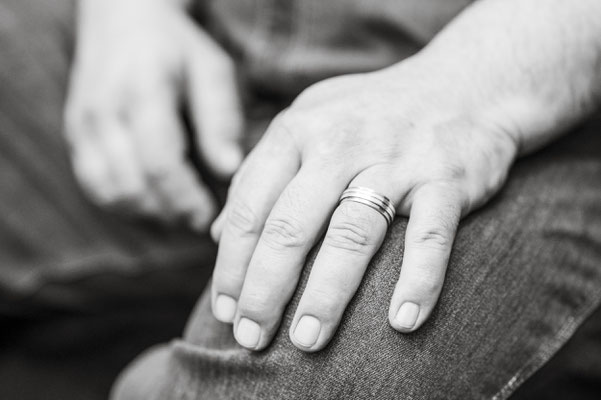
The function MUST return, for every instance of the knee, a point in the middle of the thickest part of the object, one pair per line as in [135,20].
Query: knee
[144,378]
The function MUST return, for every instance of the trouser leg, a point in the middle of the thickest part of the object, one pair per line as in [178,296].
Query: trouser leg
[81,291]
[524,274]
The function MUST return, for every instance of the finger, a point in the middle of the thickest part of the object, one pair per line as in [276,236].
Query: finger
[434,216]
[354,235]
[183,194]
[161,149]
[92,172]
[291,230]
[219,223]
[217,226]
[216,108]
[256,187]
[105,164]
[126,172]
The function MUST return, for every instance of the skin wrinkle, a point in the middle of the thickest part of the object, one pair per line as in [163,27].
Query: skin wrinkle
[243,218]
[349,236]
[283,233]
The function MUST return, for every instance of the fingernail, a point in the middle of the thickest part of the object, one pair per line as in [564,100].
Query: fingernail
[307,330]
[248,333]
[406,317]
[225,308]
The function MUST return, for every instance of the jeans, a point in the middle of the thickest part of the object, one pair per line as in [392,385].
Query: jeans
[82,291]
[524,274]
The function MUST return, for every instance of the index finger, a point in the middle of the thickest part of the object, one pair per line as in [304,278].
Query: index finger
[215,105]
[268,169]
[170,178]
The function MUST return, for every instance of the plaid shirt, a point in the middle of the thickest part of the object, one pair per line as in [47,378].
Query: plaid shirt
[285,45]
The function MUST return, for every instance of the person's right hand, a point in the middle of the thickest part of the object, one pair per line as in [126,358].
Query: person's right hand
[136,63]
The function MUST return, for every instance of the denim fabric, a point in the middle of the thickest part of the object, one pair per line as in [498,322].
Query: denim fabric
[524,273]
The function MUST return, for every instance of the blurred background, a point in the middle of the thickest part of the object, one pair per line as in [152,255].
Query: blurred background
[82,292]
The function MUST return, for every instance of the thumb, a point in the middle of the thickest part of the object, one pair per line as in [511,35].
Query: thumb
[215,106]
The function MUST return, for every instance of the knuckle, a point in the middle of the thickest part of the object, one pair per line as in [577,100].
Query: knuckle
[243,218]
[351,236]
[454,171]
[282,124]
[106,193]
[327,155]
[122,198]
[285,118]
[79,120]
[445,166]
[87,119]
[283,233]
[432,237]
[286,124]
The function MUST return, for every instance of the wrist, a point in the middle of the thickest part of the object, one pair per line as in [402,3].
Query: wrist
[532,104]
[532,69]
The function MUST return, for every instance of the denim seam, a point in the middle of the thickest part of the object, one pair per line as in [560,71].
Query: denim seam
[547,350]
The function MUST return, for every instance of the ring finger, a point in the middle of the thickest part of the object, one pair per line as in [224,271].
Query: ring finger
[355,234]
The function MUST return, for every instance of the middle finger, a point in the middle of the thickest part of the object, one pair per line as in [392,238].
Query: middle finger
[267,170]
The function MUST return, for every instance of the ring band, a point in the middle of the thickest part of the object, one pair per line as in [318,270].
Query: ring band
[370,198]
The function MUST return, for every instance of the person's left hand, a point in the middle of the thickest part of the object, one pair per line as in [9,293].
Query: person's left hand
[430,145]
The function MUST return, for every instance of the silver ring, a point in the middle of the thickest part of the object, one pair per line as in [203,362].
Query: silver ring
[370,198]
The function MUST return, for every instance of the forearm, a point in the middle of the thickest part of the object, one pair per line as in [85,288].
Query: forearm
[537,63]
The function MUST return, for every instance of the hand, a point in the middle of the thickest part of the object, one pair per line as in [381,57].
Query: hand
[136,62]
[401,132]
[436,134]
